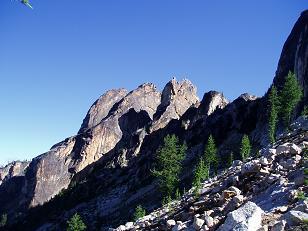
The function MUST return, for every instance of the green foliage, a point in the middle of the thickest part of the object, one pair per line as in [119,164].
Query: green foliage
[305,111]
[139,212]
[230,159]
[76,224]
[178,194]
[167,200]
[301,195]
[210,154]
[201,173]
[245,147]
[26,3]
[3,220]
[289,97]
[273,104]
[169,164]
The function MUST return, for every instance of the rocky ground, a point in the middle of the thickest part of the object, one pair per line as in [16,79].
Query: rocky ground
[264,193]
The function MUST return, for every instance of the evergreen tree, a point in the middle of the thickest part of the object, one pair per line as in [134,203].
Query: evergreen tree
[3,220]
[245,147]
[201,173]
[139,212]
[177,194]
[230,159]
[169,164]
[305,111]
[76,224]
[273,102]
[210,154]
[289,97]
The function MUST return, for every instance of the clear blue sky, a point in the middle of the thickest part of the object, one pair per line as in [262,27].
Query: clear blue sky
[57,59]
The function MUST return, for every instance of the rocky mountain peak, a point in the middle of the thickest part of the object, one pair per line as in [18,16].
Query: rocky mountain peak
[176,98]
[247,97]
[145,97]
[174,90]
[13,169]
[101,107]
[211,101]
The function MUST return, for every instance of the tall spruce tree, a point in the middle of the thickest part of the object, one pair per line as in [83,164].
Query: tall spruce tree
[210,154]
[289,97]
[273,104]
[169,164]
[201,173]
[245,147]
[305,111]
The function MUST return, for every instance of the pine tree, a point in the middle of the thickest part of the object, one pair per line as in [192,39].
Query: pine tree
[273,102]
[305,111]
[3,220]
[289,97]
[245,147]
[177,194]
[139,212]
[169,164]
[201,173]
[210,154]
[76,223]
[230,159]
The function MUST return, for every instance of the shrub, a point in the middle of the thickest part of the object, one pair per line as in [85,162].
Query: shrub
[139,212]
[169,164]
[76,223]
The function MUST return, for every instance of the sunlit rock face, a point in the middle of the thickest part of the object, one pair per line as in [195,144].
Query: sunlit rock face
[104,137]
[101,107]
[16,168]
[176,98]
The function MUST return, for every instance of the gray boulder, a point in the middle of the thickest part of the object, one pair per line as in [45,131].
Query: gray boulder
[246,218]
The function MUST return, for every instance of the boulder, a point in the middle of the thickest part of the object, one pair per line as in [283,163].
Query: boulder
[296,217]
[247,217]
[288,148]
[209,221]
[253,166]
[198,223]
[170,223]
[279,226]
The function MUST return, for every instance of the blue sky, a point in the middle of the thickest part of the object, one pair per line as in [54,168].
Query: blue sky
[57,59]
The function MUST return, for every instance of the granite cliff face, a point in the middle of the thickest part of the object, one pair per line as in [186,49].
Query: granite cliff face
[104,171]
[16,168]
[294,56]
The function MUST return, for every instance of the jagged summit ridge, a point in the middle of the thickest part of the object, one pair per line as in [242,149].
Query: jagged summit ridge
[101,107]
[177,97]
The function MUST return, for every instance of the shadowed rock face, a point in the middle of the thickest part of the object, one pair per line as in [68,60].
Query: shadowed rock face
[294,56]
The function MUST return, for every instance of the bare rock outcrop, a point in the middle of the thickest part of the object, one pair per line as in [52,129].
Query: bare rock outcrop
[176,98]
[105,136]
[101,107]
[294,56]
[16,168]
